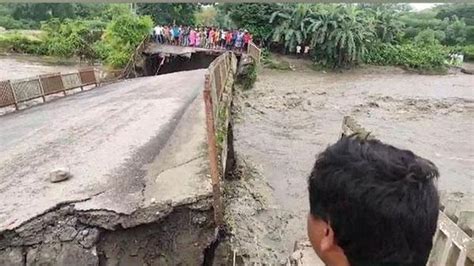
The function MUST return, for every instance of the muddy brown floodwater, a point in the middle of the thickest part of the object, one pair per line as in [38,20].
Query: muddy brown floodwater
[25,66]
[290,116]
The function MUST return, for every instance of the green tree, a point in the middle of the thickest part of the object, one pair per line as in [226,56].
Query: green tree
[43,11]
[418,21]
[461,10]
[26,16]
[321,23]
[351,37]
[388,27]
[428,37]
[91,10]
[121,37]
[71,37]
[456,32]
[340,35]
[165,13]
[290,26]
[207,16]
[253,17]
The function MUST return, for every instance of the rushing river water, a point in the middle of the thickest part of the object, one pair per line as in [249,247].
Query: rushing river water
[24,66]
[290,116]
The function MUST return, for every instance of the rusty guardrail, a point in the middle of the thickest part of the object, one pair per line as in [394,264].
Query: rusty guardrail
[217,98]
[13,92]
[452,244]
[254,52]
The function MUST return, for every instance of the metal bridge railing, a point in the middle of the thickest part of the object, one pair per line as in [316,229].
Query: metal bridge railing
[217,99]
[254,52]
[13,92]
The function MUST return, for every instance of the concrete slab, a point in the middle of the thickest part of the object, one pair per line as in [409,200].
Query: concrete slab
[155,48]
[127,145]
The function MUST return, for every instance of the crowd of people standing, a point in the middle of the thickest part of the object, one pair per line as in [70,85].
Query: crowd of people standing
[204,37]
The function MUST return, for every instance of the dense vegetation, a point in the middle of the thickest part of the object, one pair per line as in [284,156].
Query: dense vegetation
[109,32]
[340,35]
[344,35]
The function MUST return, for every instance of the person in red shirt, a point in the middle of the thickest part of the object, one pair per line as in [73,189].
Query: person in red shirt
[247,39]
[228,40]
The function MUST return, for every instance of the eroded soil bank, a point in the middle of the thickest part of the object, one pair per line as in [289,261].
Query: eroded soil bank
[65,236]
[290,116]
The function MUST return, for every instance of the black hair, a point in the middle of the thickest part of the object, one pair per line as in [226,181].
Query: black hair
[381,202]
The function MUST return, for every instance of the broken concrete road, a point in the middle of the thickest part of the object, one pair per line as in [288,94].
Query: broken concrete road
[134,151]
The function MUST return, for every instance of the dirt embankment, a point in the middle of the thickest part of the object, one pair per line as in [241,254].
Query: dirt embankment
[290,116]
[65,236]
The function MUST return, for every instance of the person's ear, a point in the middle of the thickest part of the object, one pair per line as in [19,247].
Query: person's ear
[327,242]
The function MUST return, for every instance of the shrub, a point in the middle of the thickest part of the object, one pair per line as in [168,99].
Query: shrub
[71,37]
[248,76]
[17,43]
[470,34]
[468,51]
[9,23]
[425,58]
[429,37]
[270,62]
[122,35]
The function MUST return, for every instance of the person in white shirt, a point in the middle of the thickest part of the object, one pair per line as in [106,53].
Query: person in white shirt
[306,50]
[222,40]
[298,50]
[159,34]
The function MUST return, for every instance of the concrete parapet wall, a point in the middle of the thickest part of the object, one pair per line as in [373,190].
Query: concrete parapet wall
[218,86]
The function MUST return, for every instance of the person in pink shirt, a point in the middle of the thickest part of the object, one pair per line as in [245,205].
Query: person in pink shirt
[192,38]
[198,38]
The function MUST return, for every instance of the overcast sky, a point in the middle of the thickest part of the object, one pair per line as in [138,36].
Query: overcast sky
[421,6]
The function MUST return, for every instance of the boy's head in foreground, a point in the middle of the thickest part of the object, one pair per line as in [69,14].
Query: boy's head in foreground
[371,204]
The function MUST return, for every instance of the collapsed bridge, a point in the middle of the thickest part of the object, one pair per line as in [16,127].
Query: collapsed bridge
[139,164]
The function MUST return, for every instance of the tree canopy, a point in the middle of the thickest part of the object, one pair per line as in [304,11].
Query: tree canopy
[253,17]
[167,13]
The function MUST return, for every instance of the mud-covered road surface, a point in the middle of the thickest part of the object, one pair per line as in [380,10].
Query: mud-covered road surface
[291,116]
